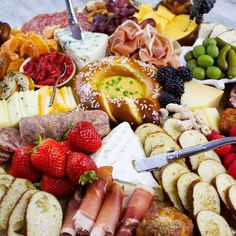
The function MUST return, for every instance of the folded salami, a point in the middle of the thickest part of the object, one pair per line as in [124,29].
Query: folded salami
[55,126]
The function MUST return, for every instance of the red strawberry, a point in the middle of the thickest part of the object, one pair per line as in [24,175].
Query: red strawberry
[59,187]
[222,151]
[21,165]
[50,158]
[84,137]
[228,159]
[212,136]
[232,131]
[65,145]
[80,168]
[233,148]
[232,169]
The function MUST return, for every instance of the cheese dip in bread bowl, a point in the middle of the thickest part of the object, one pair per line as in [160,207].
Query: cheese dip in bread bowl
[125,88]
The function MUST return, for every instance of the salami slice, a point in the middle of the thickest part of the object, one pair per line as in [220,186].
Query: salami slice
[4,157]
[10,139]
[55,126]
[38,23]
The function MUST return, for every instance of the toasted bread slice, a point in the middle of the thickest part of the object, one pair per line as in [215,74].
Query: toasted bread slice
[16,222]
[183,187]
[209,169]
[170,127]
[5,182]
[159,140]
[17,188]
[204,197]
[44,208]
[8,87]
[157,172]
[210,223]
[169,177]
[144,130]
[231,198]
[191,138]
[2,171]
[222,182]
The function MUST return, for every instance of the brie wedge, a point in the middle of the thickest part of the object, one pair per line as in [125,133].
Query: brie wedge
[120,147]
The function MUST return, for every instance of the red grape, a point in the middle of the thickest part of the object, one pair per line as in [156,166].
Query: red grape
[111,6]
[120,3]
[149,21]
[111,29]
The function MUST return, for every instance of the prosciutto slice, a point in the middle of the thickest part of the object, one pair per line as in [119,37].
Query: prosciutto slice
[109,214]
[68,228]
[136,209]
[85,217]
[146,44]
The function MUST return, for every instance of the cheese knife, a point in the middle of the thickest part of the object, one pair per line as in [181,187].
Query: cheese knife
[73,22]
[160,160]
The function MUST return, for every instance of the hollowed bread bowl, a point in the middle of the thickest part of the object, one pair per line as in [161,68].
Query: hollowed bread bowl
[124,88]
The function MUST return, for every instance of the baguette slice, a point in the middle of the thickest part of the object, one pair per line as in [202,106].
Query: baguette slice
[191,138]
[16,222]
[169,177]
[43,215]
[161,141]
[209,169]
[2,171]
[5,182]
[8,87]
[222,183]
[144,130]
[17,188]
[171,129]
[204,197]
[211,224]
[231,198]
[183,187]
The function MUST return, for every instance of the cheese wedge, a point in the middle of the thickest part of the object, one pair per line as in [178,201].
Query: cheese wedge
[28,103]
[4,122]
[73,103]
[118,150]
[201,96]
[4,103]
[21,104]
[91,48]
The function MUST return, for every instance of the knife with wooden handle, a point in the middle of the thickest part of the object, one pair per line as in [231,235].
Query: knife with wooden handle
[160,160]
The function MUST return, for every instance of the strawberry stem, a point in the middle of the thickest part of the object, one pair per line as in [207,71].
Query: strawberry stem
[70,126]
[37,143]
[37,185]
[88,177]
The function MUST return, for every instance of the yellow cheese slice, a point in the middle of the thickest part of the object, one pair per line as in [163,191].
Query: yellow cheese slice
[3,116]
[165,12]
[201,96]
[5,108]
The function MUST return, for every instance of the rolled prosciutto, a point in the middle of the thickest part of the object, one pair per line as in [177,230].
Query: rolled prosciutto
[56,125]
[109,214]
[85,217]
[135,211]
[68,228]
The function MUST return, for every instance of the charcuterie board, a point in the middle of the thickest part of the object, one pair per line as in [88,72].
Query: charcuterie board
[143,80]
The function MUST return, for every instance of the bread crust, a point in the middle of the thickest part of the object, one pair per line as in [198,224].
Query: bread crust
[134,110]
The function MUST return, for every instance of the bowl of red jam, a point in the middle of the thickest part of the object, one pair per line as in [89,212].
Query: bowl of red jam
[45,69]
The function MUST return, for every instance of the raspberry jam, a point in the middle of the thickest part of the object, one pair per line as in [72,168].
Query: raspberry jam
[45,69]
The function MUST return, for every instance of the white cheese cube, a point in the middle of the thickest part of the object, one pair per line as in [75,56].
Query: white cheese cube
[91,48]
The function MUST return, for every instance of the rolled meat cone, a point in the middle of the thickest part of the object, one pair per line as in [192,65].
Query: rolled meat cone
[135,211]
[85,217]
[109,214]
[68,227]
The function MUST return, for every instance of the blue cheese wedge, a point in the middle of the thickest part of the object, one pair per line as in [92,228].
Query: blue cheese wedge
[118,150]
[91,48]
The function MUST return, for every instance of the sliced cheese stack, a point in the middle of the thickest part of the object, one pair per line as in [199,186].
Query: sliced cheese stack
[33,103]
[91,48]
[64,100]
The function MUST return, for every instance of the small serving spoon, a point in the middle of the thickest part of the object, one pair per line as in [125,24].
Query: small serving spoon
[55,87]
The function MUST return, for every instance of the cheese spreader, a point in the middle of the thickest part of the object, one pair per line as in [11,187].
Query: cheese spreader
[160,160]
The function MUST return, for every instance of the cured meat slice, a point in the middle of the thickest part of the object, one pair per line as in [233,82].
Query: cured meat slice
[85,217]
[55,126]
[4,157]
[136,209]
[110,212]
[68,227]
[38,23]
[10,139]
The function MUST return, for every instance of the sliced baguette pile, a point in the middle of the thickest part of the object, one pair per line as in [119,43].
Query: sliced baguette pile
[26,211]
[199,188]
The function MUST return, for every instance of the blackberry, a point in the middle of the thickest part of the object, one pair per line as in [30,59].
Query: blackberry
[175,87]
[185,73]
[206,6]
[167,98]
[164,73]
